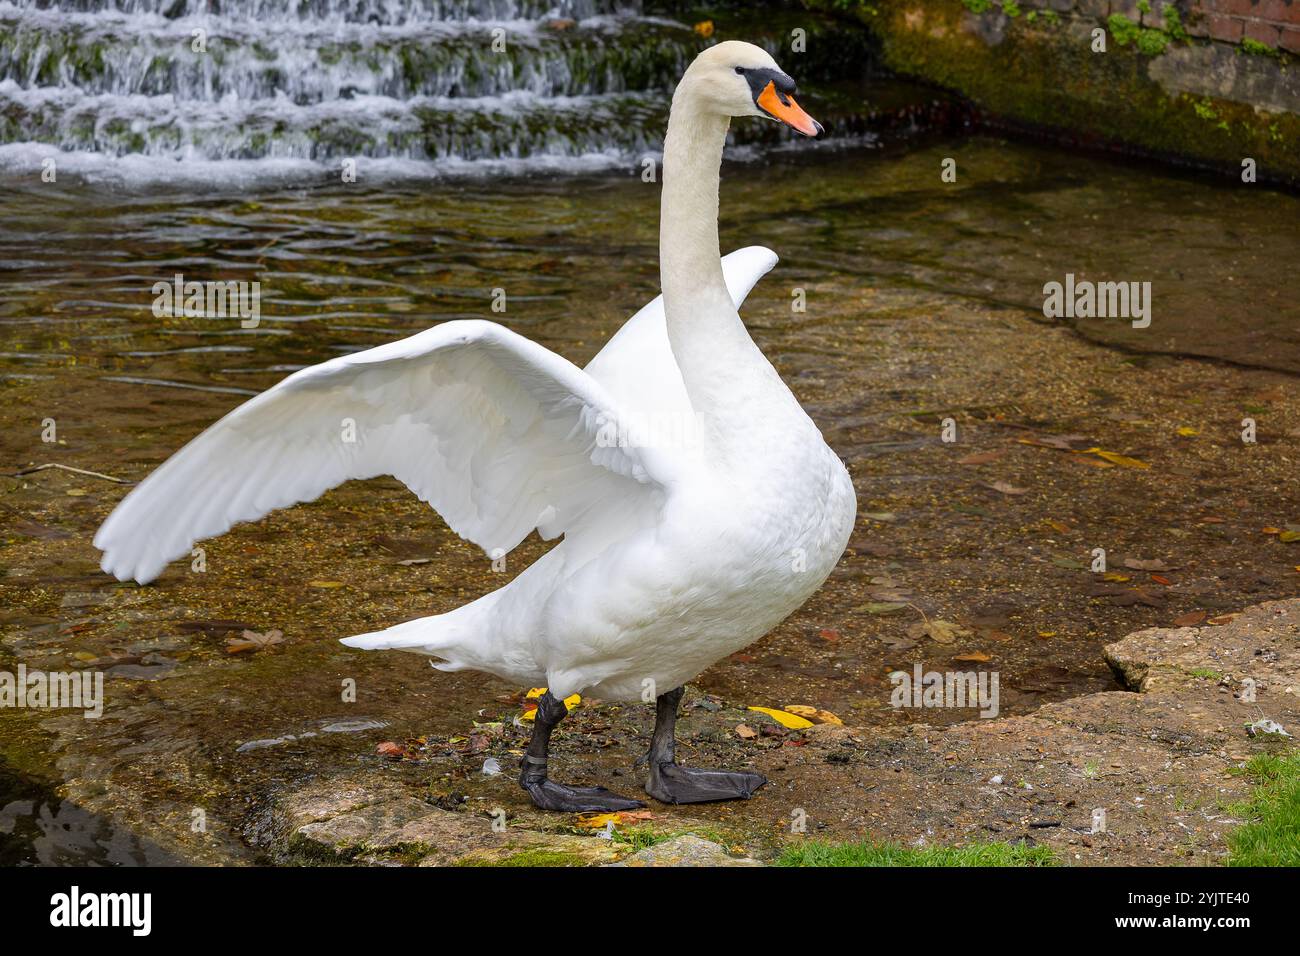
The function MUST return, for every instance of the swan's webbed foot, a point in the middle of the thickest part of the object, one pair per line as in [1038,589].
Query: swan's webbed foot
[671,783]
[549,795]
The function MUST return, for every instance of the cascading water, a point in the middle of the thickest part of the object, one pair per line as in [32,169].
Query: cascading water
[212,90]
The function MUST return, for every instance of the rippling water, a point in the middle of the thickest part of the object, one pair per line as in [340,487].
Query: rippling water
[908,280]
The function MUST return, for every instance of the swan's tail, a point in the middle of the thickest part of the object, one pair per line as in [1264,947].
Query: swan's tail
[465,639]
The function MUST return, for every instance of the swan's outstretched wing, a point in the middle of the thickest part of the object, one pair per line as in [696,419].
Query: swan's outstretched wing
[497,433]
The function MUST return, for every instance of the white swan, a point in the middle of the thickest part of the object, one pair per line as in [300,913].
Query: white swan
[676,552]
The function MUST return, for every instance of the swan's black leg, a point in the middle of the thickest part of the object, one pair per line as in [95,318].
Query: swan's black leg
[675,784]
[556,796]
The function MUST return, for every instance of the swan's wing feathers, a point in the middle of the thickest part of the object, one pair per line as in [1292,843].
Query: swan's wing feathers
[497,433]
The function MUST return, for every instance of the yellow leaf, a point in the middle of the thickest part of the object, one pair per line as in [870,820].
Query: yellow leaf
[1116,459]
[570,702]
[792,721]
[325,584]
[812,713]
[1047,634]
[597,821]
[704,28]
[1115,576]
[1187,432]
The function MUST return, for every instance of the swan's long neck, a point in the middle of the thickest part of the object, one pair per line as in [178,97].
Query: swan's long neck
[713,350]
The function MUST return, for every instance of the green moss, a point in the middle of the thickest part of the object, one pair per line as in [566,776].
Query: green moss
[978,6]
[1152,42]
[1174,24]
[1205,673]
[539,856]
[815,853]
[1011,8]
[1124,30]
[1272,835]
[1037,79]
[1255,48]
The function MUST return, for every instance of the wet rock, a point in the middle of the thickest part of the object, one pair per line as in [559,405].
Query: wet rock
[367,829]
[272,742]
[353,726]
[141,671]
[686,850]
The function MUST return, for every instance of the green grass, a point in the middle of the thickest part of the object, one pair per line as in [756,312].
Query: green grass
[815,853]
[1271,837]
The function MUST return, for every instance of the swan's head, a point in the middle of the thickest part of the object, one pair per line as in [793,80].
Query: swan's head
[734,78]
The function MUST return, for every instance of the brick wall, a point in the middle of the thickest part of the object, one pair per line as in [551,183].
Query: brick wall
[1274,23]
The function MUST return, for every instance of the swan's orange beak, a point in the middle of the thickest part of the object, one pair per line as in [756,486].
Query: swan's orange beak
[782,107]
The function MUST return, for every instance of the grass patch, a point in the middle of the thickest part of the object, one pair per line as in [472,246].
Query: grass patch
[815,853]
[1271,837]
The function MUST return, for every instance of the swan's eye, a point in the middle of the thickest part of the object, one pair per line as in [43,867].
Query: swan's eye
[740,70]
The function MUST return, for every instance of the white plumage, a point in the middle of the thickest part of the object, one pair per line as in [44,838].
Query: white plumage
[677,551]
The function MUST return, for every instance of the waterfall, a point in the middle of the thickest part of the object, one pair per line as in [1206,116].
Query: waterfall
[238,91]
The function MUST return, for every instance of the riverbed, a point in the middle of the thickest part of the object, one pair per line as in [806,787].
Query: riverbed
[923,320]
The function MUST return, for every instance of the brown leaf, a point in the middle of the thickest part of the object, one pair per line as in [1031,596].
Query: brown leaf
[981,458]
[1154,565]
[974,657]
[389,749]
[1005,487]
[746,732]
[253,641]
[944,632]
[1190,619]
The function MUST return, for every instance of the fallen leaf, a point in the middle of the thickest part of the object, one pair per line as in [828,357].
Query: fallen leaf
[1187,432]
[1059,442]
[944,632]
[1115,458]
[885,516]
[1005,487]
[253,641]
[974,657]
[829,634]
[1153,565]
[1046,634]
[785,719]
[1271,530]
[816,715]
[1161,579]
[1289,536]
[995,635]
[1190,619]
[884,607]
[1222,619]
[981,458]
[1060,526]
[1116,576]
[324,584]
[389,749]
[745,732]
